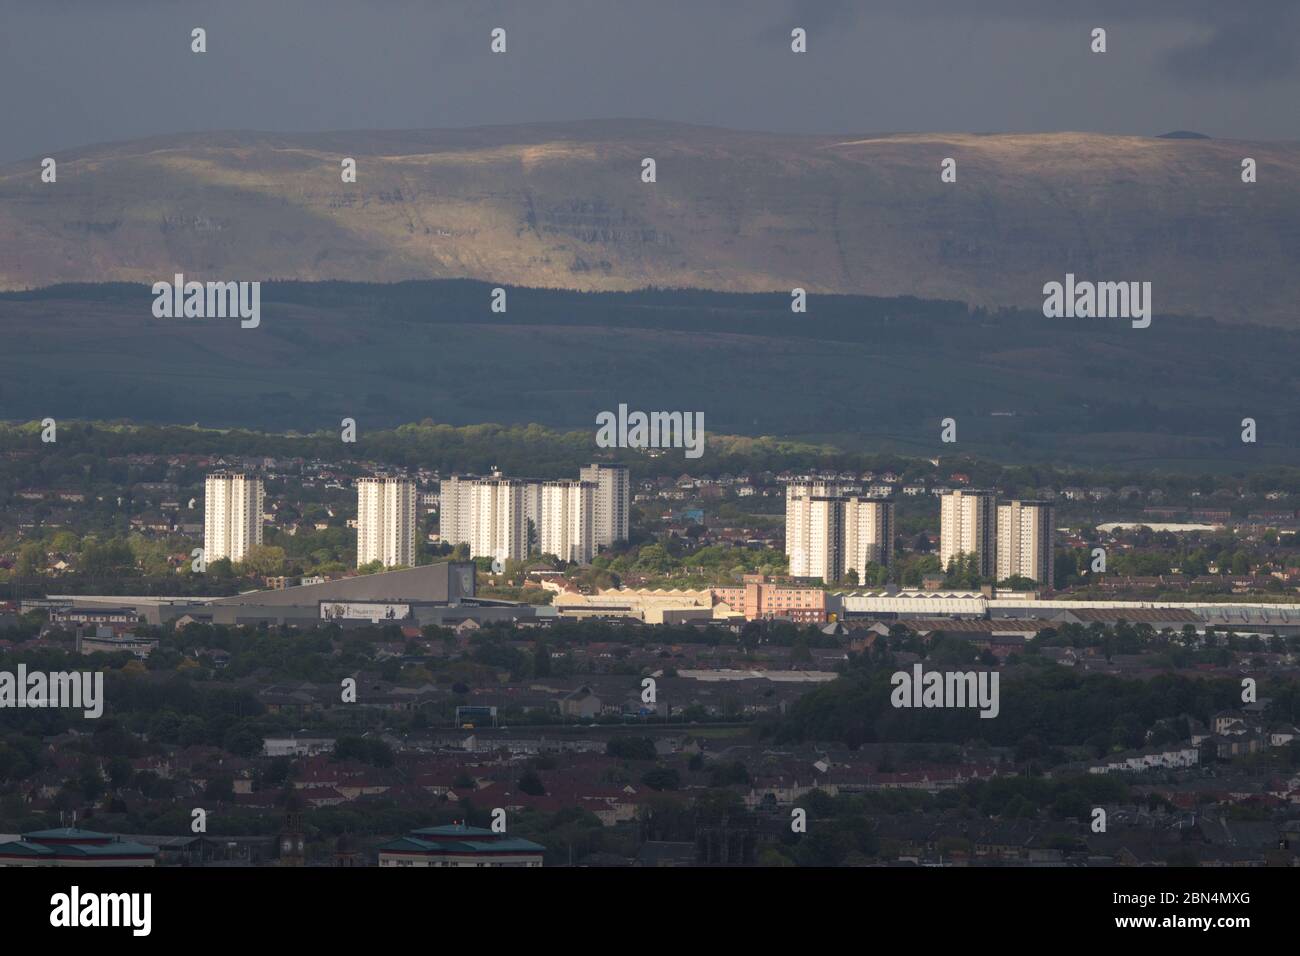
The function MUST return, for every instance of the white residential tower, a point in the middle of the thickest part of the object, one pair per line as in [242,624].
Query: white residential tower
[386,521]
[232,515]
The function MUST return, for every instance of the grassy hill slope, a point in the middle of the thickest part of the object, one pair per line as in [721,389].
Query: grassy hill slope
[563,206]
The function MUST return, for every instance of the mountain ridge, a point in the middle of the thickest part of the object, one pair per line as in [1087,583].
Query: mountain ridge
[562,205]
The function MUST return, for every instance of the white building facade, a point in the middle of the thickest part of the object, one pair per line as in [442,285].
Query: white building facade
[868,533]
[968,525]
[799,531]
[611,502]
[490,515]
[567,524]
[1025,541]
[386,521]
[232,515]
[828,533]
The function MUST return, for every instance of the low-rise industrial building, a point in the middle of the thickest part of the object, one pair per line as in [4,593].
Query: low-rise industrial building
[460,845]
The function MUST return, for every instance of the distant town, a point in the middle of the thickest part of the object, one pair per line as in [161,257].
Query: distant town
[351,661]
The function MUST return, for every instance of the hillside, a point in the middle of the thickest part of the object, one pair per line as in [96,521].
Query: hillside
[563,206]
[862,372]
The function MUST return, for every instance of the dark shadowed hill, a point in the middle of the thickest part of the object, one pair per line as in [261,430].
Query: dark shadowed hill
[862,372]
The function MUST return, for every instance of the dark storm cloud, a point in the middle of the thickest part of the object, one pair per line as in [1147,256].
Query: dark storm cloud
[1238,41]
[1246,52]
[74,72]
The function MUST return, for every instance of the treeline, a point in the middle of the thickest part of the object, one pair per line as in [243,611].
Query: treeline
[1046,706]
[81,459]
[643,347]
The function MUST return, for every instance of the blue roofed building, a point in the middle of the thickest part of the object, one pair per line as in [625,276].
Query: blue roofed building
[459,845]
[69,846]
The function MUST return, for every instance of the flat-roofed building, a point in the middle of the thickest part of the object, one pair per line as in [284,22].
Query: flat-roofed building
[107,640]
[611,501]
[968,526]
[386,521]
[489,515]
[814,530]
[232,515]
[71,847]
[1024,541]
[460,845]
[567,520]
[760,598]
[868,534]
[828,534]
[799,523]
[106,616]
[910,603]
[652,606]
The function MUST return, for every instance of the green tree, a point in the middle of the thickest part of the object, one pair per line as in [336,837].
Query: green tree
[531,784]
[626,747]
[221,789]
[31,560]
[541,660]
[266,560]
[662,778]
[243,740]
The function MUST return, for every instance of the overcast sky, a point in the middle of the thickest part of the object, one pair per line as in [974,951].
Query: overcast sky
[74,72]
